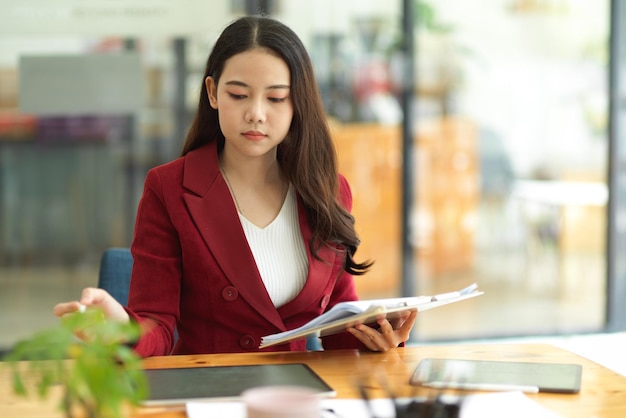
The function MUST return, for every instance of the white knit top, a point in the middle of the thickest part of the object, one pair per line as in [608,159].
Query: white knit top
[279,251]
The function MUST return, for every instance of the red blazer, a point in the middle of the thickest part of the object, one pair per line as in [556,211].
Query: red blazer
[194,271]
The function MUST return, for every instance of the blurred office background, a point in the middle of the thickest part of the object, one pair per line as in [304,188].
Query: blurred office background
[506,171]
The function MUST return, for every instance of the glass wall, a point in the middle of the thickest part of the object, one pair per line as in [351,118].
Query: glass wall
[510,151]
[513,146]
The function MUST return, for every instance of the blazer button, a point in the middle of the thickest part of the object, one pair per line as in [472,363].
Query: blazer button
[229,293]
[248,342]
[324,302]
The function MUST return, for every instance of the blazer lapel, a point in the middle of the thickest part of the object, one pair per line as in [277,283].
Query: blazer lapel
[215,215]
[319,270]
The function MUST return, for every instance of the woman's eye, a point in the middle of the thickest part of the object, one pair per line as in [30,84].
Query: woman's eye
[237,96]
[277,99]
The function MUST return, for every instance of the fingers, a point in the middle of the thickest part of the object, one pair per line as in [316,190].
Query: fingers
[66,307]
[94,298]
[89,297]
[102,299]
[385,337]
[373,339]
[404,332]
[368,336]
[398,322]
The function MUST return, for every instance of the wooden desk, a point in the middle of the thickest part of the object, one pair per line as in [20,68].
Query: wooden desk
[603,393]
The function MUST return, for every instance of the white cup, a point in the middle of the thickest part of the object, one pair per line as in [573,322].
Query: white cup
[281,402]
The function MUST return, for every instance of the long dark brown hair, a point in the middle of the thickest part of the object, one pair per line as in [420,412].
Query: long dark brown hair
[307,155]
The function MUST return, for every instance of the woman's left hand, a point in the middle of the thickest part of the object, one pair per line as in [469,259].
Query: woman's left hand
[388,335]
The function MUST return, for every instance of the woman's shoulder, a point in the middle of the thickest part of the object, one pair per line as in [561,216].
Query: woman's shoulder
[176,164]
[192,171]
[166,176]
[198,156]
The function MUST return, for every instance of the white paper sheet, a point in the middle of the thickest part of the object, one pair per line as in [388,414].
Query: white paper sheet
[489,405]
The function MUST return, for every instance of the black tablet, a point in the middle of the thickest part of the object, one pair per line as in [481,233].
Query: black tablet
[181,385]
[498,375]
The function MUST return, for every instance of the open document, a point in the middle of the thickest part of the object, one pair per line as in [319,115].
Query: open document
[348,314]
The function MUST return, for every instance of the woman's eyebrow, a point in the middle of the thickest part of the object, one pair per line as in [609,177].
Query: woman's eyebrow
[278,87]
[272,87]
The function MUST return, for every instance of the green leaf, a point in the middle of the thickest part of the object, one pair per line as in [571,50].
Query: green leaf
[18,384]
[102,374]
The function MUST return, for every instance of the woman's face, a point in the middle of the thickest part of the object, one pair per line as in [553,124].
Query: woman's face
[253,102]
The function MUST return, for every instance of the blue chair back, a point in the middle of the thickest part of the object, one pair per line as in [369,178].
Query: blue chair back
[114,276]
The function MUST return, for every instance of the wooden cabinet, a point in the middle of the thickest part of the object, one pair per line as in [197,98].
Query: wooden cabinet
[446,193]
[369,157]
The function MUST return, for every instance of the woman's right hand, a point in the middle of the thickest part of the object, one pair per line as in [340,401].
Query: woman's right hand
[95,298]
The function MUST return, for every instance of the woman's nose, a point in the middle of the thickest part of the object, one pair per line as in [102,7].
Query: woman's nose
[256,112]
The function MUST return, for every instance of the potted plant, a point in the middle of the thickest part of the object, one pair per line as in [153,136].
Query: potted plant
[99,377]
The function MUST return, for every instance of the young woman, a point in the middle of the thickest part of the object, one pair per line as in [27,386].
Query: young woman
[248,233]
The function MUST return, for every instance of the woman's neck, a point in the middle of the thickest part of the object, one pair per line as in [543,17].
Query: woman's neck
[257,186]
[251,169]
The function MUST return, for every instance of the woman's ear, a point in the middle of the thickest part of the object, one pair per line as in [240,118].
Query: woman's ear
[211,89]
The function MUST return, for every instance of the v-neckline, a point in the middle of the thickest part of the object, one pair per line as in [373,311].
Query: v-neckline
[283,207]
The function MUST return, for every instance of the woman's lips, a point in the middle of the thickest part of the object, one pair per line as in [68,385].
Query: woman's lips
[254,135]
